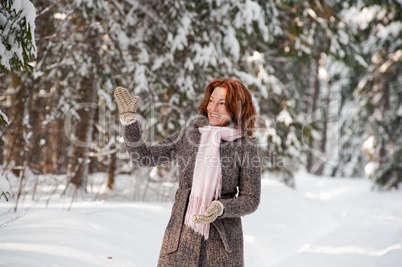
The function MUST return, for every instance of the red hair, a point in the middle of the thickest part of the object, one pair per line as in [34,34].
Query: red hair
[238,103]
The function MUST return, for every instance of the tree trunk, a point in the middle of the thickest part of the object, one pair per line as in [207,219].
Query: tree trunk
[37,116]
[87,96]
[4,80]
[78,166]
[15,143]
[314,100]
[112,169]
[323,141]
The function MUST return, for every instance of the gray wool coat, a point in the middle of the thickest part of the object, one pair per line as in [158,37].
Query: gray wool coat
[241,188]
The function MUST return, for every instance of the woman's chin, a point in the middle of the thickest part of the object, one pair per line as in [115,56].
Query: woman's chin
[217,122]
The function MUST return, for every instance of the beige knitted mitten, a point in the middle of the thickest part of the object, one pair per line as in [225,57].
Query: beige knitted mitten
[213,211]
[127,105]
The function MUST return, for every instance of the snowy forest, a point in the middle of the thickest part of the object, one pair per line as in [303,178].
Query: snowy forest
[325,77]
[326,80]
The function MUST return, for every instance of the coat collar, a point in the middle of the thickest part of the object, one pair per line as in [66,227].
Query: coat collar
[201,122]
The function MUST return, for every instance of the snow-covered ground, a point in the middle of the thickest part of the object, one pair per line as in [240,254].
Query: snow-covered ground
[323,223]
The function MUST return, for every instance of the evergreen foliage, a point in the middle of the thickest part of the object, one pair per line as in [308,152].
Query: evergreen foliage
[17,42]
[371,141]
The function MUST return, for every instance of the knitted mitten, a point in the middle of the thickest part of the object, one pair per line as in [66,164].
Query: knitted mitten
[213,211]
[127,105]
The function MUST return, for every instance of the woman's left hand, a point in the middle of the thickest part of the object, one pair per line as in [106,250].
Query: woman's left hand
[213,211]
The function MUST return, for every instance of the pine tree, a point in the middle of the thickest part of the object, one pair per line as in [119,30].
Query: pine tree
[17,41]
[370,109]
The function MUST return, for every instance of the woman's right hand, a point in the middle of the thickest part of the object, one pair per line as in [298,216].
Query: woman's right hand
[126,104]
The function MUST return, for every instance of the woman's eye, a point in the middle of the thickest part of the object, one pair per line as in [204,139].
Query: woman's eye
[210,101]
[222,103]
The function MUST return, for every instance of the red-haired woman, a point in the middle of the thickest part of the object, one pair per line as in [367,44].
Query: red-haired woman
[219,175]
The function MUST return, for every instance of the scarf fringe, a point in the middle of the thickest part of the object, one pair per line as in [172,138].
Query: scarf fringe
[195,208]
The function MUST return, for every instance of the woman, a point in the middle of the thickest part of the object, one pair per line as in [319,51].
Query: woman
[219,175]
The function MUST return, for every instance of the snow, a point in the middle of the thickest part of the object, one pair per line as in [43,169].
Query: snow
[140,79]
[324,222]
[28,13]
[4,184]
[284,116]
[360,18]
[231,44]
[248,12]
[205,55]
[180,40]
[369,145]
[370,169]
[3,115]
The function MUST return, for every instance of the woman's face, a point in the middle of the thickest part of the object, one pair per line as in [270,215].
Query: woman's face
[218,115]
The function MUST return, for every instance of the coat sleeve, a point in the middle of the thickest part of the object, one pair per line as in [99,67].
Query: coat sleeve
[249,185]
[149,156]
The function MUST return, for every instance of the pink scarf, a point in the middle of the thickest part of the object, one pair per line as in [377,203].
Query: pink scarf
[207,178]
